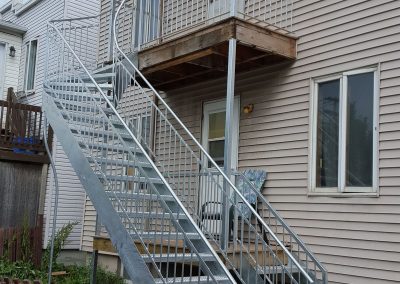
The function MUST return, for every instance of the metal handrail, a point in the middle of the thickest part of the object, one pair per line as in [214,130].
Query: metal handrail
[261,198]
[201,148]
[143,151]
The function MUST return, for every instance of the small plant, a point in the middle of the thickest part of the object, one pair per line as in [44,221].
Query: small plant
[59,242]
[20,270]
[26,250]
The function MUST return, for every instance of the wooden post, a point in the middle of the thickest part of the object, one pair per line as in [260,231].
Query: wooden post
[8,112]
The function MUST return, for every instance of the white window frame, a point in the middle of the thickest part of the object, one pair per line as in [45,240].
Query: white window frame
[4,70]
[28,49]
[342,189]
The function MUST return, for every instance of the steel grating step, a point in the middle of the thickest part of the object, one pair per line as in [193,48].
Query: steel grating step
[91,119]
[78,96]
[131,179]
[121,163]
[139,196]
[110,135]
[108,147]
[195,280]
[79,86]
[99,77]
[151,236]
[81,107]
[159,216]
[179,257]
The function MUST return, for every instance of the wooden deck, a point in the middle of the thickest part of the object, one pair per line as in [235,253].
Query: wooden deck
[202,54]
[21,132]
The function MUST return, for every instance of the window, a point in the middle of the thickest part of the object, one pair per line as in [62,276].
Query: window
[30,65]
[344,146]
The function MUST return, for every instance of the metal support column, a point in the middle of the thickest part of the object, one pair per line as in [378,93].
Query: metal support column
[230,96]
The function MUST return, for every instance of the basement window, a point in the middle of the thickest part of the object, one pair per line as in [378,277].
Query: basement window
[344,133]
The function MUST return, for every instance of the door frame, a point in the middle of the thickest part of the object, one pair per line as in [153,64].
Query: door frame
[3,69]
[217,106]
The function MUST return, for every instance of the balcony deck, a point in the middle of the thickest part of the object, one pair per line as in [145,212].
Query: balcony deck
[202,53]
[21,135]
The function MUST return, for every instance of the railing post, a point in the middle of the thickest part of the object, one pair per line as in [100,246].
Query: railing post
[230,96]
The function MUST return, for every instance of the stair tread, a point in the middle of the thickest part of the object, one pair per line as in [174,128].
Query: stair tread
[79,95]
[190,257]
[90,108]
[103,86]
[193,279]
[101,133]
[140,195]
[111,148]
[159,235]
[121,162]
[90,119]
[131,178]
[99,77]
[154,215]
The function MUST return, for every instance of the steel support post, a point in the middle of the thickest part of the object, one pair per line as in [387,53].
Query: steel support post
[230,96]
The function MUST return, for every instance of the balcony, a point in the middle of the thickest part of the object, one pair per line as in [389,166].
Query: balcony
[21,132]
[188,42]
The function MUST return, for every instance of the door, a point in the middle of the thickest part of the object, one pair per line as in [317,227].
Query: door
[2,68]
[147,22]
[213,140]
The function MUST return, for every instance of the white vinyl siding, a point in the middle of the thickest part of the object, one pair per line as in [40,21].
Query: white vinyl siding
[72,195]
[12,63]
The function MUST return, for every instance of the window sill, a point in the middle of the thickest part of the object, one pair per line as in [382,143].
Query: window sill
[374,194]
[22,8]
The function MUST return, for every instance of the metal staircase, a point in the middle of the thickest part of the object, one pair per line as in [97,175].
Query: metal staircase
[144,170]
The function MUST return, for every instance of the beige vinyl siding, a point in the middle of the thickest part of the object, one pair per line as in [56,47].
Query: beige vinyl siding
[355,237]
[12,63]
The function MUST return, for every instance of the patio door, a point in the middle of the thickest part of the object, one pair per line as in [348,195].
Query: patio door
[213,140]
[2,68]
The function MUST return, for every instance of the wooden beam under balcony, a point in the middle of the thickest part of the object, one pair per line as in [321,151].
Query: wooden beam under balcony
[201,54]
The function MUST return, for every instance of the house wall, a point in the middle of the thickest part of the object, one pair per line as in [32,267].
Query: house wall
[12,63]
[355,237]
[72,196]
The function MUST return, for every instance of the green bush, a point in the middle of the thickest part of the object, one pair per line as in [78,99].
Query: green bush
[20,270]
[75,274]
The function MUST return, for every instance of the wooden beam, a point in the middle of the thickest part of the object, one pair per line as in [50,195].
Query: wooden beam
[17,157]
[103,244]
[266,40]
[177,61]
[194,42]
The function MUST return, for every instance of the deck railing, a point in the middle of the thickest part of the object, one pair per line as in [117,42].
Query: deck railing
[21,127]
[156,21]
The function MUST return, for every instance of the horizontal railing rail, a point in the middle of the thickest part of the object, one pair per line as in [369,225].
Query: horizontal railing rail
[159,22]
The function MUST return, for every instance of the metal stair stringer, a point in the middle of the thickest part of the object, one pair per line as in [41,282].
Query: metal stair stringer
[122,241]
